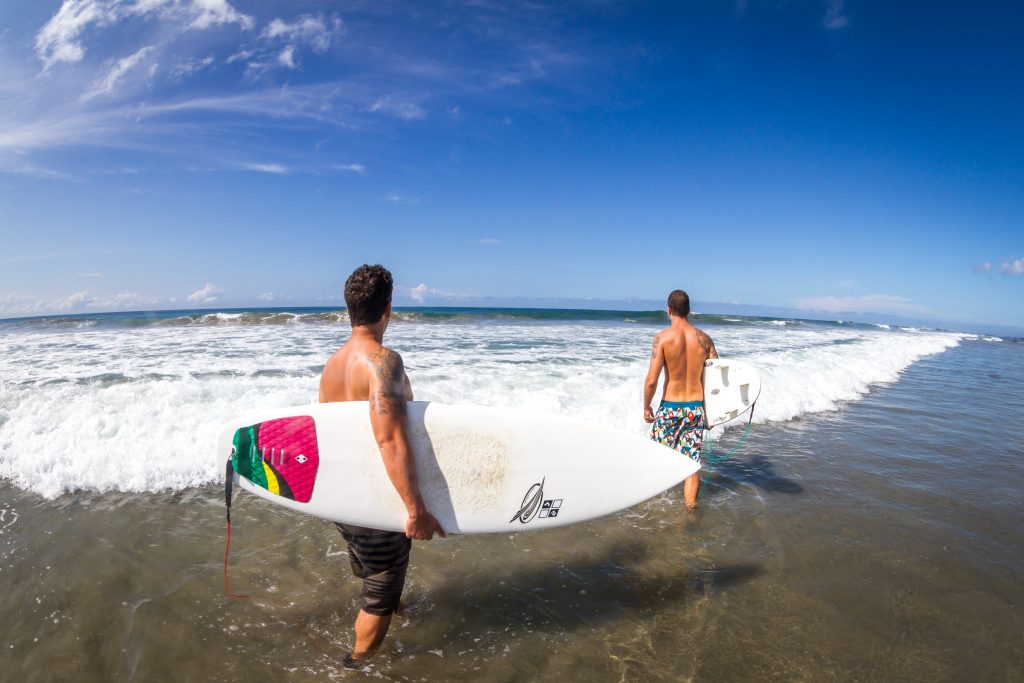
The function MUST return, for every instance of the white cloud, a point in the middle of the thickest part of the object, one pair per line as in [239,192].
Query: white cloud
[380,78]
[287,57]
[240,56]
[985,267]
[76,300]
[870,303]
[267,296]
[395,198]
[834,17]
[207,295]
[279,43]
[107,83]
[406,111]
[279,169]
[216,12]
[355,168]
[1013,266]
[56,41]
[32,257]
[191,66]
[16,303]
[122,301]
[316,31]
[89,274]
[59,39]
[419,292]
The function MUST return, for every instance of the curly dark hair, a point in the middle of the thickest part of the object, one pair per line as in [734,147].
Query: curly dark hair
[368,293]
[679,303]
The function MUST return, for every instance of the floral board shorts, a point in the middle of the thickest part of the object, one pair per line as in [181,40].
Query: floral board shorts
[680,426]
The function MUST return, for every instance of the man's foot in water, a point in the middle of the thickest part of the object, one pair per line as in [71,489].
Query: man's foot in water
[356,660]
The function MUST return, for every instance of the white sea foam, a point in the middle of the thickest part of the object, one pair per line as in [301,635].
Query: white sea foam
[137,409]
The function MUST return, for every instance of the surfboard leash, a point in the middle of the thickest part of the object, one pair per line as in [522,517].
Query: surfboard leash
[228,485]
[709,450]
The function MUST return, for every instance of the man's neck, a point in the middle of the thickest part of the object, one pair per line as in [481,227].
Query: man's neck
[368,332]
[676,321]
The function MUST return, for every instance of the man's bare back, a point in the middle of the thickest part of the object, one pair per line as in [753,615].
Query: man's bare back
[680,350]
[362,366]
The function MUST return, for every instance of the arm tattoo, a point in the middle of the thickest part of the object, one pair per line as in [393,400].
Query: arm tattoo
[654,348]
[389,396]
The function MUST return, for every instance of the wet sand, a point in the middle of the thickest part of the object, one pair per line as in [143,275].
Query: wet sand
[880,542]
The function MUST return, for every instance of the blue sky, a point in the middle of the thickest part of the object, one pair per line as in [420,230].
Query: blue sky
[834,157]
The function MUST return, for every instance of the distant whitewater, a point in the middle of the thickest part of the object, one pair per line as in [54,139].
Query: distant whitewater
[132,401]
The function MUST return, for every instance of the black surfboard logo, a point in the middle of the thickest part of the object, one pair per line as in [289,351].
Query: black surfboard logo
[531,503]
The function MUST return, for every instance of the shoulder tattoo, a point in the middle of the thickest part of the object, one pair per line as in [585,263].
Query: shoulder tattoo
[654,347]
[389,395]
[705,341]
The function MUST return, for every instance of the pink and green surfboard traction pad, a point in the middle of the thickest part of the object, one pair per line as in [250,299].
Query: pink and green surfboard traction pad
[279,454]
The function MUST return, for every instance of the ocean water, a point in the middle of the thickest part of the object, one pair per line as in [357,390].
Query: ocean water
[870,527]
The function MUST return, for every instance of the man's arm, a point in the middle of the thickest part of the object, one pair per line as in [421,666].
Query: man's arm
[653,372]
[388,420]
[707,344]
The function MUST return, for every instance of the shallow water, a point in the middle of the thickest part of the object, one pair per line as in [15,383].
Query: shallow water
[881,541]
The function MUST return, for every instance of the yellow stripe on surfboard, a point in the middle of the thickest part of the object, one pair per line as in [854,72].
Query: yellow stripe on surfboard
[272,484]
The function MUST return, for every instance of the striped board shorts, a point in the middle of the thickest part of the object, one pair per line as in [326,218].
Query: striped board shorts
[380,559]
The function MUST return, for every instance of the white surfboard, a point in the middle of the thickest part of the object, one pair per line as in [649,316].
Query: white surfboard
[480,469]
[730,389]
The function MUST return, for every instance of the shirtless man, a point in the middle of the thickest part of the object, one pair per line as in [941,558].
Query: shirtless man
[680,350]
[365,370]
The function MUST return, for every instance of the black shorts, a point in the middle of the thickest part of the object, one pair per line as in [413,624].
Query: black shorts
[380,559]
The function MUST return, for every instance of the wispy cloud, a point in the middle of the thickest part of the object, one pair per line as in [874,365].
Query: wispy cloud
[117,71]
[60,39]
[419,292]
[354,168]
[985,267]
[1013,266]
[191,65]
[89,274]
[16,303]
[287,57]
[835,15]
[279,42]
[488,241]
[406,111]
[33,257]
[870,303]
[209,294]
[176,78]
[317,31]
[278,169]
[395,198]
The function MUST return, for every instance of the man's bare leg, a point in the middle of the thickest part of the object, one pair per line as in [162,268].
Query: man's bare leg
[370,632]
[691,487]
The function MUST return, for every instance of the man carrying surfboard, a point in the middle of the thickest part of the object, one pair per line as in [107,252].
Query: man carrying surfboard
[680,350]
[363,369]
